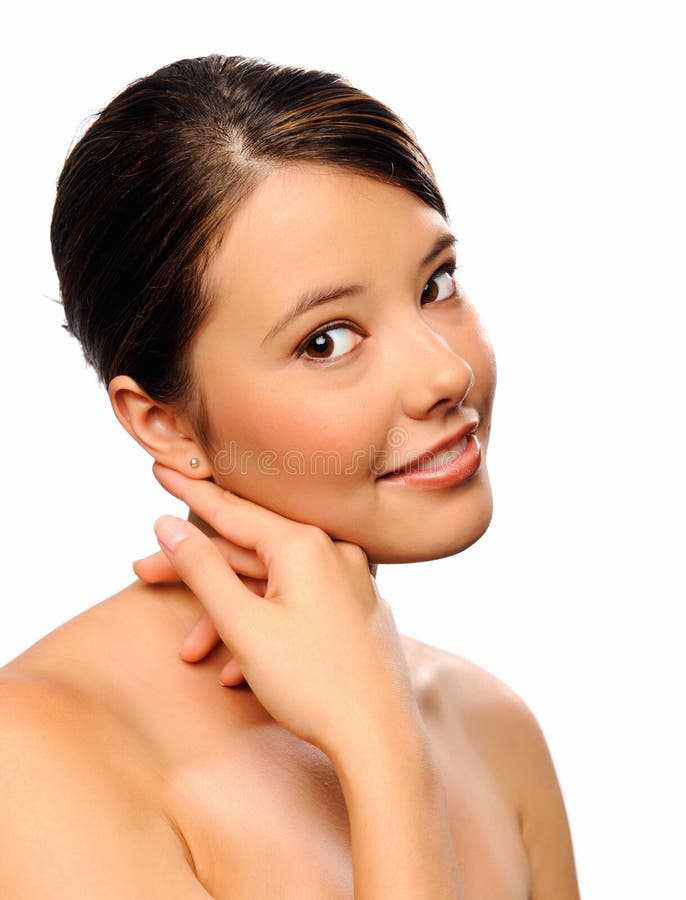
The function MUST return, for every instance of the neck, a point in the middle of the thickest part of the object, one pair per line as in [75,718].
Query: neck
[208,530]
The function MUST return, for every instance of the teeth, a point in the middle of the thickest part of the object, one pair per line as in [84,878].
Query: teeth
[442,457]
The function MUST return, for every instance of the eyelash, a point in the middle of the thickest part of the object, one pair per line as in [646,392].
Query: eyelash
[448,268]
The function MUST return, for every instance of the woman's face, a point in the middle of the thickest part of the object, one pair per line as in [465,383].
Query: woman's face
[308,416]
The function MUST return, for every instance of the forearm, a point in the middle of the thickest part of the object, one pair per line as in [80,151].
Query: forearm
[402,847]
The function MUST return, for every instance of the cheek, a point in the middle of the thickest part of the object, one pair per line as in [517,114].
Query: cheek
[485,368]
[296,434]
[475,345]
[335,428]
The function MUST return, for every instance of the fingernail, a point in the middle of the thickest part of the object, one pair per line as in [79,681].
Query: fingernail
[171,531]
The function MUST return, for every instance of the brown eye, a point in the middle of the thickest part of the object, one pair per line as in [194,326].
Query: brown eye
[321,344]
[441,286]
[324,344]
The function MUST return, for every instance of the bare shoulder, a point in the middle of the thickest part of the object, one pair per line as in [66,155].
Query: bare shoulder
[473,706]
[466,693]
[68,812]
[470,699]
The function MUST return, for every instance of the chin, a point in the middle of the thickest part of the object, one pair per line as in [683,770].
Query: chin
[411,543]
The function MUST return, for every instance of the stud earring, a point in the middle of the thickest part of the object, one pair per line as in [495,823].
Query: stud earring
[194,462]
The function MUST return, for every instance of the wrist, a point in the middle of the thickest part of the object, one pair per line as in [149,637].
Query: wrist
[394,746]
[402,842]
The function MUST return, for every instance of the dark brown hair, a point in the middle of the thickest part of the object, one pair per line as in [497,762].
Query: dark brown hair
[150,184]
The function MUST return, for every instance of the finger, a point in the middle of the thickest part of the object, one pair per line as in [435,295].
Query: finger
[157,567]
[231,674]
[256,585]
[204,637]
[236,518]
[200,640]
[230,605]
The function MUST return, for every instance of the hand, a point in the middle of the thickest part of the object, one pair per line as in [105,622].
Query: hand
[204,637]
[320,648]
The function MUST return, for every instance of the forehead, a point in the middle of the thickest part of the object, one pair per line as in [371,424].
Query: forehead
[307,223]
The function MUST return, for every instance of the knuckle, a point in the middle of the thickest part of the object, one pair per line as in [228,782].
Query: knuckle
[186,552]
[310,537]
[353,553]
[192,550]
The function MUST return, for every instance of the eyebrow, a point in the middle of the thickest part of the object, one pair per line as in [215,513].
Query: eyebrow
[317,296]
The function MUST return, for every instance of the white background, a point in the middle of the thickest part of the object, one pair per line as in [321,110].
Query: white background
[556,133]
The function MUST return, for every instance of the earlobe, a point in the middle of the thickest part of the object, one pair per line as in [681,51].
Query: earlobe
[157,427]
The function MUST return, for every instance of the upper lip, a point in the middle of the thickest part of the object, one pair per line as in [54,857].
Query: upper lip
[443,444]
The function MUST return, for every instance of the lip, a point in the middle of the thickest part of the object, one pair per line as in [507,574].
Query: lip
[444,444]
[455,471]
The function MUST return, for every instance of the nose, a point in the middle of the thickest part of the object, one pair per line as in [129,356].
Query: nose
[439,379]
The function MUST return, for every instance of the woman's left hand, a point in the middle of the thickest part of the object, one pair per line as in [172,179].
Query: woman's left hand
[203,637]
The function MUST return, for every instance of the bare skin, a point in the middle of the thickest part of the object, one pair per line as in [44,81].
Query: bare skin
[119,758]
[127,771]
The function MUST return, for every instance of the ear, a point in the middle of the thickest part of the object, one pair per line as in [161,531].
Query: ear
[164,432]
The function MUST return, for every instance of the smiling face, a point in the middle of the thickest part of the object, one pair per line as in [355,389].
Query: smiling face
[306,417]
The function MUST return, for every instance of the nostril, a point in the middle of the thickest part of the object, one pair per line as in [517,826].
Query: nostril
[448,403]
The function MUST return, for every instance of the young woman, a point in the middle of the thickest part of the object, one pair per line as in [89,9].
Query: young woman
[257,262]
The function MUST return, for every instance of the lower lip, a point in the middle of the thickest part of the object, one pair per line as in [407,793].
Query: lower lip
[454,472]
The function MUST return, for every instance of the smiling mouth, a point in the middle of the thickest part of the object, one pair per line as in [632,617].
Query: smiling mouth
[438,459]
[443,453]
[443,468]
